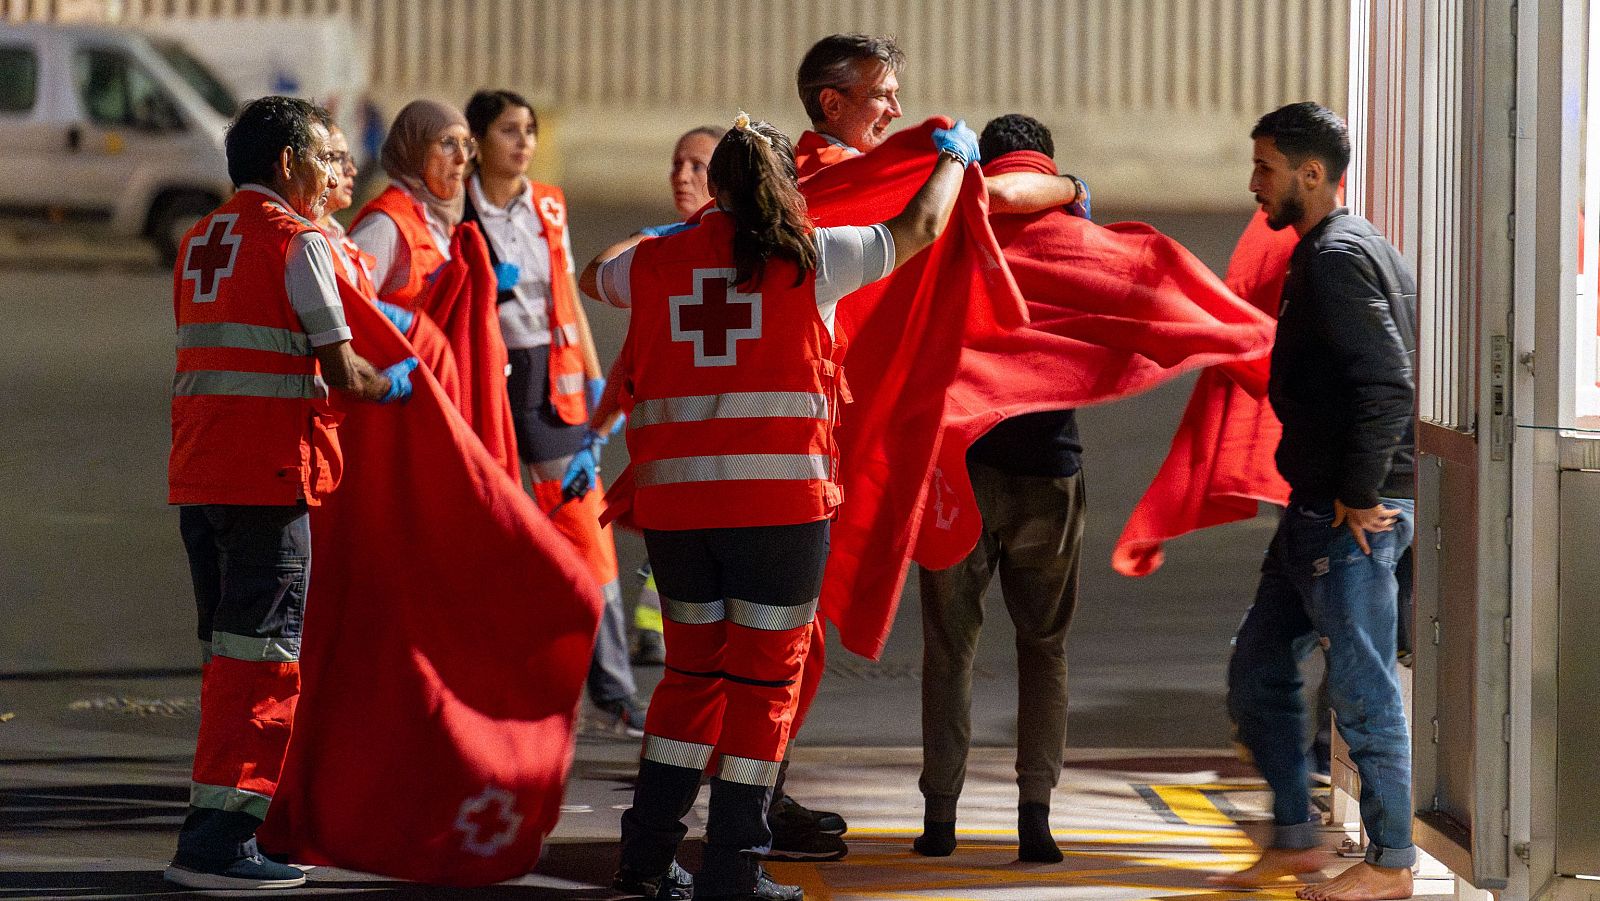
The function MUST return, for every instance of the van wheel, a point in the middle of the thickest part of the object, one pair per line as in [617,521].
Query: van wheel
[172,217]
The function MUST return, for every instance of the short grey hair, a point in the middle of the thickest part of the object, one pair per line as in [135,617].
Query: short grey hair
[830,63]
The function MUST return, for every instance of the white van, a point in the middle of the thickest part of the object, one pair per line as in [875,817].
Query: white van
[109,128]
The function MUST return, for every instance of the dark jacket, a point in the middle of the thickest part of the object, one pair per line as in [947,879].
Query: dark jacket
[1344,366]
[1032,444]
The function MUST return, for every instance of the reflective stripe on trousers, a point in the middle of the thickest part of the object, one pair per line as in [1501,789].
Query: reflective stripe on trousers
[768,617]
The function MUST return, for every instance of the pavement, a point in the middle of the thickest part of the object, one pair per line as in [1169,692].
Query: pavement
[1132,823]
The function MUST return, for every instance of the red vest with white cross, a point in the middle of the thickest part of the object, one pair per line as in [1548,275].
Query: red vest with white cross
[250,422]
[735,390]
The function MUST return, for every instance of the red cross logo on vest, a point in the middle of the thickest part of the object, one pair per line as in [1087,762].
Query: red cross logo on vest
[715,317]
[553,211]
[209,258]
[488,821]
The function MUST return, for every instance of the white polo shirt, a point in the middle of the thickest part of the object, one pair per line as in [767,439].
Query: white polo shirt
[517,234]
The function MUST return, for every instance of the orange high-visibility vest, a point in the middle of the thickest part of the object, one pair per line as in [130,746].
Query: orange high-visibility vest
[566,348]
[411,220]
[250,421]
[735,390]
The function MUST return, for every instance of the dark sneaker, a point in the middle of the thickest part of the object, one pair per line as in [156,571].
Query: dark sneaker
[765,890]
[649,649]
[792,813]
[254,872]
[623,718]
[800,839]
[674,885]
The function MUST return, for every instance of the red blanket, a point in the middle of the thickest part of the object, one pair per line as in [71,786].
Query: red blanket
[1114,311]
[461,299]
[1220,464]
[904,336]
[448,633]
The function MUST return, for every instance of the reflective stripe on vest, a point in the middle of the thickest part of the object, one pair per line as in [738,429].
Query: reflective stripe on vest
[570,383]
[735,405]
[197,382]
[240,336]
[771,617]
[672,752]
[732,468]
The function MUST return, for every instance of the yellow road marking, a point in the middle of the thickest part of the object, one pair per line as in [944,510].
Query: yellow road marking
[1191,804]
[1128,860]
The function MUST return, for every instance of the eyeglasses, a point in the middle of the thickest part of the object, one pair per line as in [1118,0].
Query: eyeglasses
[451,147]
[335,161]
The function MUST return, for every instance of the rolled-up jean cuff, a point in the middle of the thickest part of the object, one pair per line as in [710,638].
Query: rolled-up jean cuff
[1297,836]
[1393,858]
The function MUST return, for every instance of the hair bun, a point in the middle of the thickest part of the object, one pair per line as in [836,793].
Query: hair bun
[742,123]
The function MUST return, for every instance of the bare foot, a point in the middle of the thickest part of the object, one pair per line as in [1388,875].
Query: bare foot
[1362,882]
[1274,864]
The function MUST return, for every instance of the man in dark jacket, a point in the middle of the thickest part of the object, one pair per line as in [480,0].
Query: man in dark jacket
[1343,385]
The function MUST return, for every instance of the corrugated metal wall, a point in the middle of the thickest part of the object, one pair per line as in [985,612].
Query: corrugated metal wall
[1128,79]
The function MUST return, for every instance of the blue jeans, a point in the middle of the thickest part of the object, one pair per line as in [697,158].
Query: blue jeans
[1317,582]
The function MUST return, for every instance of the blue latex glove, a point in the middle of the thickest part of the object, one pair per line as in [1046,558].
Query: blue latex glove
[400,316]
[661,231]
[506,276]
[596,387]
[959,140]
[582,472]
[399,376]
[1080,208]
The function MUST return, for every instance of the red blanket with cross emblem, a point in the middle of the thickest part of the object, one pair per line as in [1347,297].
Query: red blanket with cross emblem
[448,632]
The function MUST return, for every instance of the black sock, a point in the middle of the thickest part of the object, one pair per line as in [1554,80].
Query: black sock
[1035,844]
[937,839]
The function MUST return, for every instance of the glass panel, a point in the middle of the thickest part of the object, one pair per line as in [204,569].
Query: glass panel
[1447,349]
[191,70]
[19,79]
[118,93]
[1583,377]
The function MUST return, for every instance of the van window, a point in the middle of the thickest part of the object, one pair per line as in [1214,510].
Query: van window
[117,92]
[19,79]
[211,90]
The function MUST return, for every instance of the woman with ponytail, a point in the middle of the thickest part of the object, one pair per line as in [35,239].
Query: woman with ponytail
[732,378]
